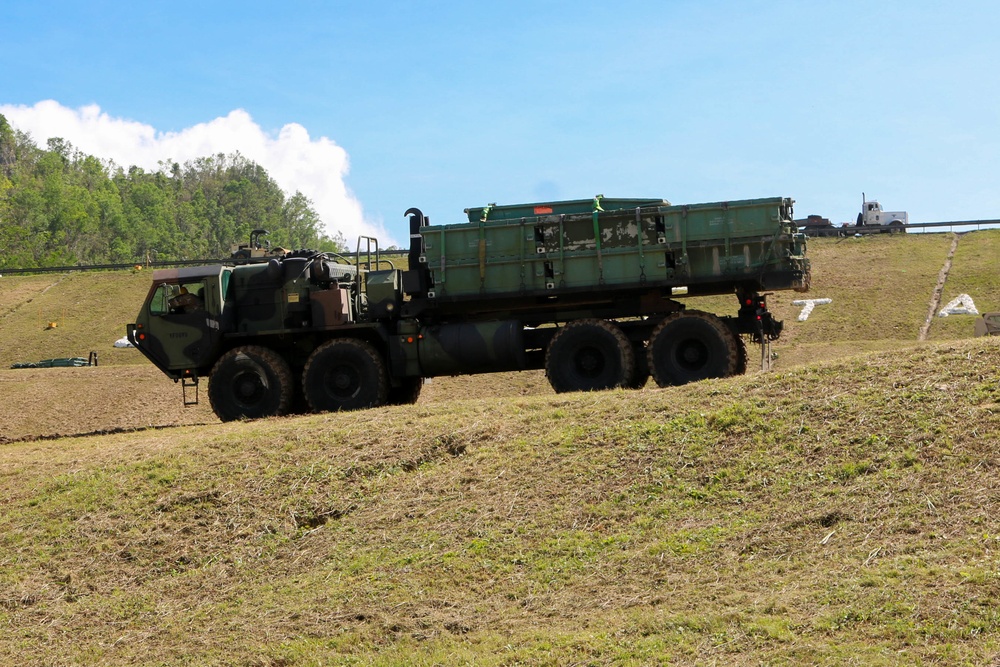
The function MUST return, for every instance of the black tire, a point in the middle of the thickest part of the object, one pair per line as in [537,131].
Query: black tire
[589,355]
[345,374]
[742,358]
[250,382]
[691,346]
[640,375]
[406,393]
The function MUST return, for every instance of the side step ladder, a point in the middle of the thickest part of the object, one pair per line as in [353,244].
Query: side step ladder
[189,382]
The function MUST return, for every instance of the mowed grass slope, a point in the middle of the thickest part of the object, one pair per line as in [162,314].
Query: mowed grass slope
[880,287]
[975,271]
[89,311]
[841,513]
[839,510]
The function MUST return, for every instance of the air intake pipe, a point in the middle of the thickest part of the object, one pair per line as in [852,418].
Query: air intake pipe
[416,280]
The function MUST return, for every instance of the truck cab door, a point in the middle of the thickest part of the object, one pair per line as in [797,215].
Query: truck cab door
[182,330]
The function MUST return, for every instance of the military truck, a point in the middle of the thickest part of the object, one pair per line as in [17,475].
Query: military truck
[256,249]
[590,290]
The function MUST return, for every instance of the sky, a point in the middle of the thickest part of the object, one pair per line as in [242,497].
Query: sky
[370,107]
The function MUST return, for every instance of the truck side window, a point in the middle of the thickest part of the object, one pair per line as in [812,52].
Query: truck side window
[158,305]
[176,299]
[187,298]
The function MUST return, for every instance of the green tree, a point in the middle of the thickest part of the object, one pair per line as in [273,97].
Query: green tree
[8,147]
[61,206]
[300,222]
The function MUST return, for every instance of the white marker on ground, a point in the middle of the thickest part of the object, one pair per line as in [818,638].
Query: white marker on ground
[960,305]
[808,305]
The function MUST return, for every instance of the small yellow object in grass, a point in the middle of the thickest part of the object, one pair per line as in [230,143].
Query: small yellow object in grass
[52,325]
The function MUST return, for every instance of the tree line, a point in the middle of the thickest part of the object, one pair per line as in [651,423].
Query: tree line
[61,207]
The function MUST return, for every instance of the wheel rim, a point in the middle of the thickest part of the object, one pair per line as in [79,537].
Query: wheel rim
[249,388]
[589,362]
[692,354]
[343,381]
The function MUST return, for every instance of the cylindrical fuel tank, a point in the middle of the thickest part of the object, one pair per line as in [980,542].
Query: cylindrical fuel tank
[471,347]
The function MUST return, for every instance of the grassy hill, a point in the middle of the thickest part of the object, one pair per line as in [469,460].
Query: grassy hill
[840,513]
[840,510]
[976,272]
[89,311]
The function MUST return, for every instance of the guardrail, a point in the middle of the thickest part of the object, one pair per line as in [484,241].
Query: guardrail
[133,265]
[113,267]
[851,230]
[959,223]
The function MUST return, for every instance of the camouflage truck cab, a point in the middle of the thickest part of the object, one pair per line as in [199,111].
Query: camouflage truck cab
[179,327]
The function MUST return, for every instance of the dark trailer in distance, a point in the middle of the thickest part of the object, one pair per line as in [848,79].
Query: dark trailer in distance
[590,290]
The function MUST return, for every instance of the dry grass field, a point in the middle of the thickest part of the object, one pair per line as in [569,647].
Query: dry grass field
[840,509]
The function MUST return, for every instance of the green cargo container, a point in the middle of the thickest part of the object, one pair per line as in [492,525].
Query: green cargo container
[577,245]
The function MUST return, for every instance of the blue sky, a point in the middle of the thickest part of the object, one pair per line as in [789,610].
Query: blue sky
[446,105]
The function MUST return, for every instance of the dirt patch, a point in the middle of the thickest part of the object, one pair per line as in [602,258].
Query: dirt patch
[49,402]
[935,302]
[52,402]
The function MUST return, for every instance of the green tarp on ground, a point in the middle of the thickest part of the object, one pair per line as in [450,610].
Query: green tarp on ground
[53,363]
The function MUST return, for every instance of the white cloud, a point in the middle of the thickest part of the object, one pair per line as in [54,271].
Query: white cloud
[315,167]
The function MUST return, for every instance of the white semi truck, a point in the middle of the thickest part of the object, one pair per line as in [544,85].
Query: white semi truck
[871,220]
[872,215]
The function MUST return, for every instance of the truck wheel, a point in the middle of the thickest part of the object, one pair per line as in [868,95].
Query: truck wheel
[406,393]
[742,358]
[345,374]
[691,346]
[250,382]
[589,355]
